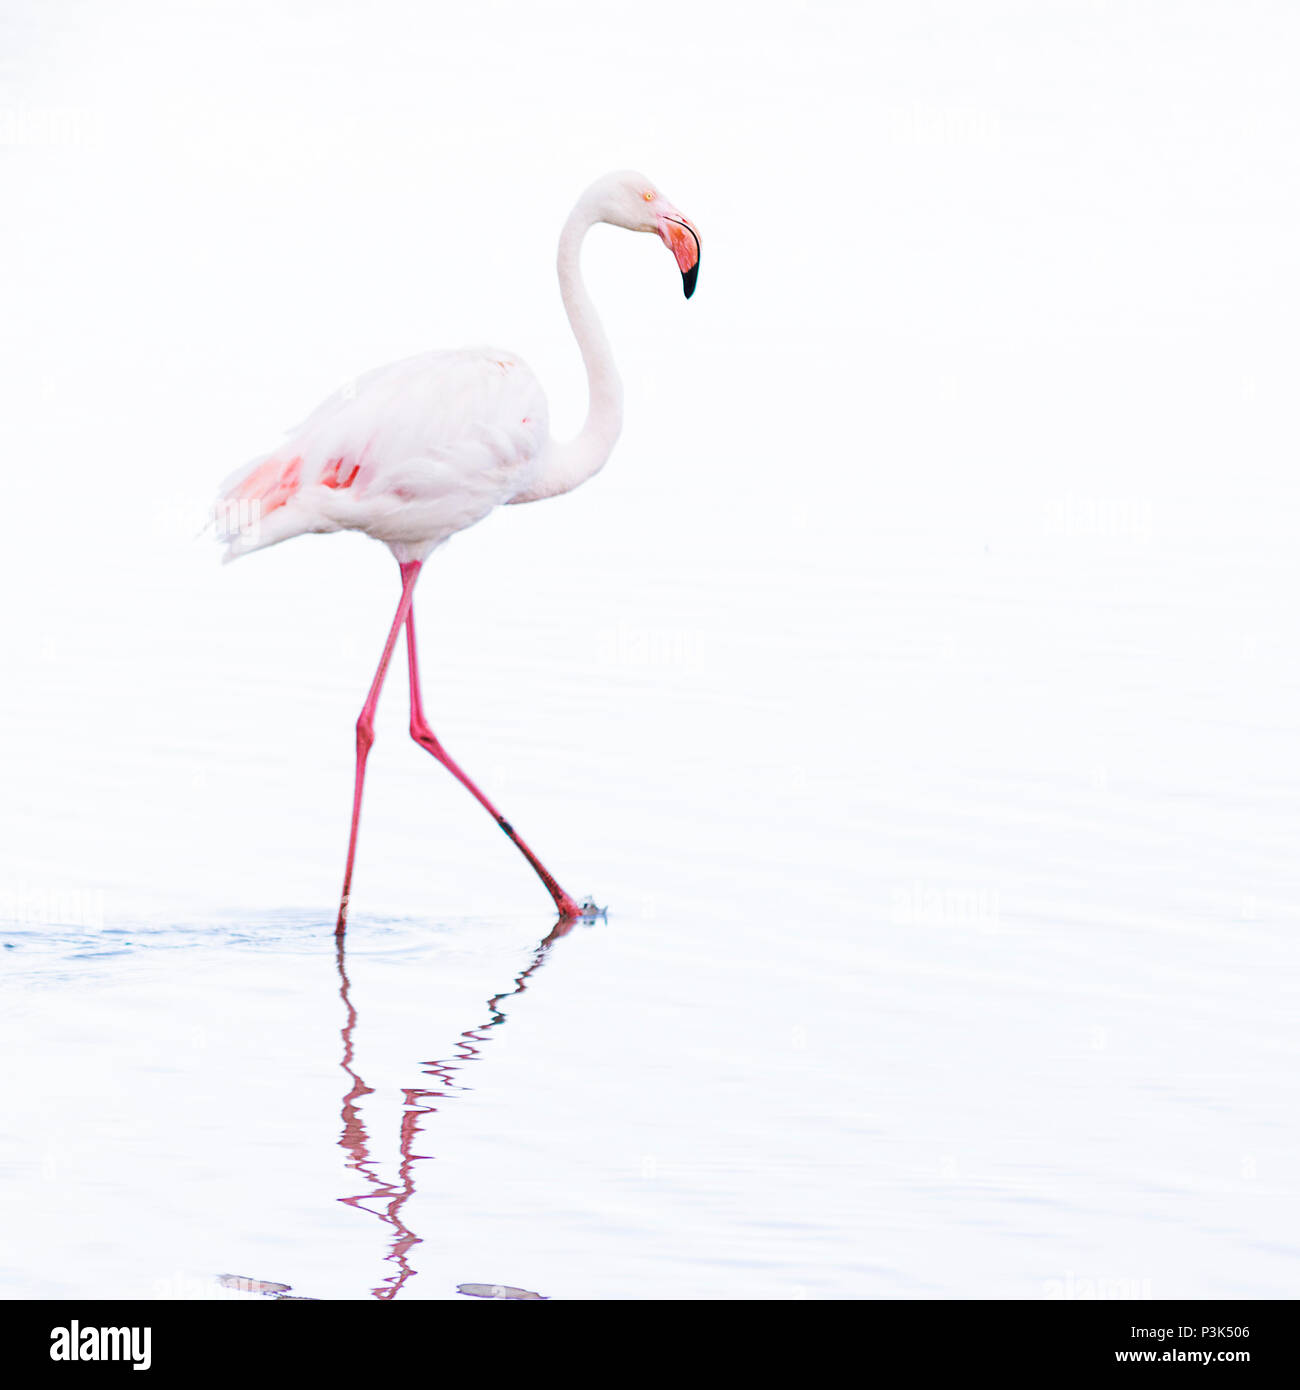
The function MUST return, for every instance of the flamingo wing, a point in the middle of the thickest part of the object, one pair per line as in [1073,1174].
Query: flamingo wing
[409,453]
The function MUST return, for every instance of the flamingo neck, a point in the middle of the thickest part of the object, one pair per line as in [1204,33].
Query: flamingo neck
[566,465]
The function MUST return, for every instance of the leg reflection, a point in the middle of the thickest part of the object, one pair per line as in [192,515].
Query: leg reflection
[418,1101]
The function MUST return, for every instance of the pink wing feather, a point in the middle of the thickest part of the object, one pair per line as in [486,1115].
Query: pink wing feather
[410,454]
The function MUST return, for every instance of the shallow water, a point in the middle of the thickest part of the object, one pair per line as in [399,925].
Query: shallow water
[916,1013]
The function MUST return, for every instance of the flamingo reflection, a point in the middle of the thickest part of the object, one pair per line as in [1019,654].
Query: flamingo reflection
[418,1101]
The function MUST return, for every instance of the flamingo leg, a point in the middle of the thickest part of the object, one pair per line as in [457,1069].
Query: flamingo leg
[366,731]
[424,736]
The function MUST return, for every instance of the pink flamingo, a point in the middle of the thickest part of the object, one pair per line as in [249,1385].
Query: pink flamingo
[413,452]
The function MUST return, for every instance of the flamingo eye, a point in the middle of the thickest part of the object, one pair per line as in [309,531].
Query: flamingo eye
[649,195]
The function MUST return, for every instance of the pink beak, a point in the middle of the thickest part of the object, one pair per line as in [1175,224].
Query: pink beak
[681,238]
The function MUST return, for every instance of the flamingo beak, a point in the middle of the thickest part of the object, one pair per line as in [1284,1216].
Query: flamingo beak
[681,238]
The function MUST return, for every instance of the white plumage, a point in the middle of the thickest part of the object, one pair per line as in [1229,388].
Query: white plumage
[409,454]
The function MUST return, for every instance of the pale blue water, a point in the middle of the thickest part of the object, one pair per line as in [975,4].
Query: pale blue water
[906,1013]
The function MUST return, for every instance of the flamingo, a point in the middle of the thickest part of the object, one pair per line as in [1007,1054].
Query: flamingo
[417,450]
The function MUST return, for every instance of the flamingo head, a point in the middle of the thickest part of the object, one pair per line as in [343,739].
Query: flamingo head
[631,200]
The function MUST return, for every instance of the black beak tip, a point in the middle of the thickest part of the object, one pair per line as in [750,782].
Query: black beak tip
[688,279]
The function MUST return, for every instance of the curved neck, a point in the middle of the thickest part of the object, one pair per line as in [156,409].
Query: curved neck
[568,464]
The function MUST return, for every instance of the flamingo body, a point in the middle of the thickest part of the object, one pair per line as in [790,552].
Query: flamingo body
[410,454]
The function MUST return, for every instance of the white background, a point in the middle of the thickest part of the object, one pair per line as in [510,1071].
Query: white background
[917,684]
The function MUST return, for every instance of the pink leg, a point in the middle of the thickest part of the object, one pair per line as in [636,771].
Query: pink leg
[366,731]
[424,736]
